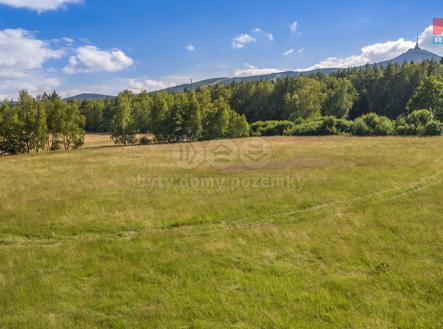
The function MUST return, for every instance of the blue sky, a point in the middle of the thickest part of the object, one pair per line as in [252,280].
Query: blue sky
[102,46]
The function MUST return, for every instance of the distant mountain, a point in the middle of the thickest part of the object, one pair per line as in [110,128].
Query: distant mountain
[180,88]
[416,55]
[86,96]
[278,75]
[215,81]
[228,80]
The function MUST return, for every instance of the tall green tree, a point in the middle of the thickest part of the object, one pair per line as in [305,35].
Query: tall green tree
[340,97]
[176,117]
[122,124]
[56,117]
[238,126]
[73,127]
[216,122]
[162,102]
[41,128]
[12,140]
[429,95]
[306,101]
[28,115]
[142,106]
[93,111]
[193,118]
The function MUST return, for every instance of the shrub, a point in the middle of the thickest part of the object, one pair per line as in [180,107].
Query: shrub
[56,145]
[405,130]
[433,128]
[419,130]
[373,125]
[384,127]
[344,126]
[323,126]
[419,123]
[258,127]
[124,140]
[13,145]
[308,128]
[420,117]
[360,128]
[271,128]
[144,141]
[79,142]
[328,126]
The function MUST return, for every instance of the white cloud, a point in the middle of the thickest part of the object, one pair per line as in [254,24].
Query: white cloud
[387,50]
[426,42]
[21,52]
[301,51]
[190,48]
[69,41]
[89,59]
[294,27]
[251,70]
[111,86]
[374,53]
[35,85]
[268,35]
[148,85]
[288,52]
[22,59]
[242,40]
[379,52]
[336,62]
[39,5]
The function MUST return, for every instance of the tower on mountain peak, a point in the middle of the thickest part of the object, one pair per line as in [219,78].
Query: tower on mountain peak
[416,45]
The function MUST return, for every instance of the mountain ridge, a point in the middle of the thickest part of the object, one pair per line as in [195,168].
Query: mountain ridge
[87,96]
[416,55]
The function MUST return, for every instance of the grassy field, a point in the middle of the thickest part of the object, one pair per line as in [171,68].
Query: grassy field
[335,232]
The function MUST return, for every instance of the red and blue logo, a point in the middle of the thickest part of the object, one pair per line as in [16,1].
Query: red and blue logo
[438,31]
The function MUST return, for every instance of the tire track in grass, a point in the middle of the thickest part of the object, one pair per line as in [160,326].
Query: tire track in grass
[242,224]
[383,196]
[26,241]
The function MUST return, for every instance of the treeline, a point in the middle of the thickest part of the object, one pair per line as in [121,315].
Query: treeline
[349,94]
[398,99]
[417,123]
[40,124]
[169,117]
[220,111]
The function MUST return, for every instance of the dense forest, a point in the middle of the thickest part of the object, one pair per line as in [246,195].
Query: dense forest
[398,99]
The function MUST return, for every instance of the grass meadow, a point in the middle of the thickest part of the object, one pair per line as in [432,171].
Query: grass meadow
[335,232]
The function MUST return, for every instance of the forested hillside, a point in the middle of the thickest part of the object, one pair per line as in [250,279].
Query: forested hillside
[398,99]
[393,92]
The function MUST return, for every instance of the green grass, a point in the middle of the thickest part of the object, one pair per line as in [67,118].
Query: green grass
[355,242]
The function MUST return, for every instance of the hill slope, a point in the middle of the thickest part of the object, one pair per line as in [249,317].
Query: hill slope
[416,55]
[87,96]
